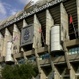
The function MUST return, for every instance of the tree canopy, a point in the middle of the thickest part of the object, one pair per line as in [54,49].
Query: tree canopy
[23,71]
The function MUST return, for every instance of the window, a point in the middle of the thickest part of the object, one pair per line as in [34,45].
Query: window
[45,56]
[74,50]
[21,61]
[78,49]
[33,58]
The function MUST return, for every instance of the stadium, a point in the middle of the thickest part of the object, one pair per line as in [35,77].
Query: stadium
[45,33]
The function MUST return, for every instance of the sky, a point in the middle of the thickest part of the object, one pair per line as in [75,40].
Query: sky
[10,7]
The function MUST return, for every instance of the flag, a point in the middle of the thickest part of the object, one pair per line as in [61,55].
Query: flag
[71,19]
[14,39]
[72,25]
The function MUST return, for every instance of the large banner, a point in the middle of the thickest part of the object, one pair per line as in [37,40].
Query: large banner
[27,34]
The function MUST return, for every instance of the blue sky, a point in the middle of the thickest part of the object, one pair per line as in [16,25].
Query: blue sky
[10,7]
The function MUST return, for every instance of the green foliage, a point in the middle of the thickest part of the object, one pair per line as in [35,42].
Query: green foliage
[24,71]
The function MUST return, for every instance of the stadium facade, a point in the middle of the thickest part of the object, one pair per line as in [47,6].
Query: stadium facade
[45,33]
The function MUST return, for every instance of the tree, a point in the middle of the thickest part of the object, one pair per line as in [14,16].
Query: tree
[24,71]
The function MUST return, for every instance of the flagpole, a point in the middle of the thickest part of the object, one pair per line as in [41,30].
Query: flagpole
[74,30]
[71,22]
[40,31]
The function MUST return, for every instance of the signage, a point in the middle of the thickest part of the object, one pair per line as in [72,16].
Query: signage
[27,34]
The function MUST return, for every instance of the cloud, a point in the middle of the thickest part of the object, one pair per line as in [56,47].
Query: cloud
[6,10]
[6,4]
[13,11]
[2,17]
[3,12]
[2,9]
[24,1]
[27,1]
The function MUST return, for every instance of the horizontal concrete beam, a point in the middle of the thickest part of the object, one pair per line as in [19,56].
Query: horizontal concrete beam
[44,62]
[31,52]
[70,43]
[28,53]
[61,59]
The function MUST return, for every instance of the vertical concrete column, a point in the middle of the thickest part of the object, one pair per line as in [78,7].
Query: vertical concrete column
[0,71]
[56,74]
[64,22]
[41,72]
[16,39]
[43,76]
[72,73]
[1,43]
[7,38]
[37,61]
[37,34]
[66,56]
[15,60]
[37,26]
[64,31]
[77,2]
[24,25]
[37,44]
[49,24]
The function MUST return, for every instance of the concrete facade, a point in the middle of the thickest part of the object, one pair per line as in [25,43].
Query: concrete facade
[51,65]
